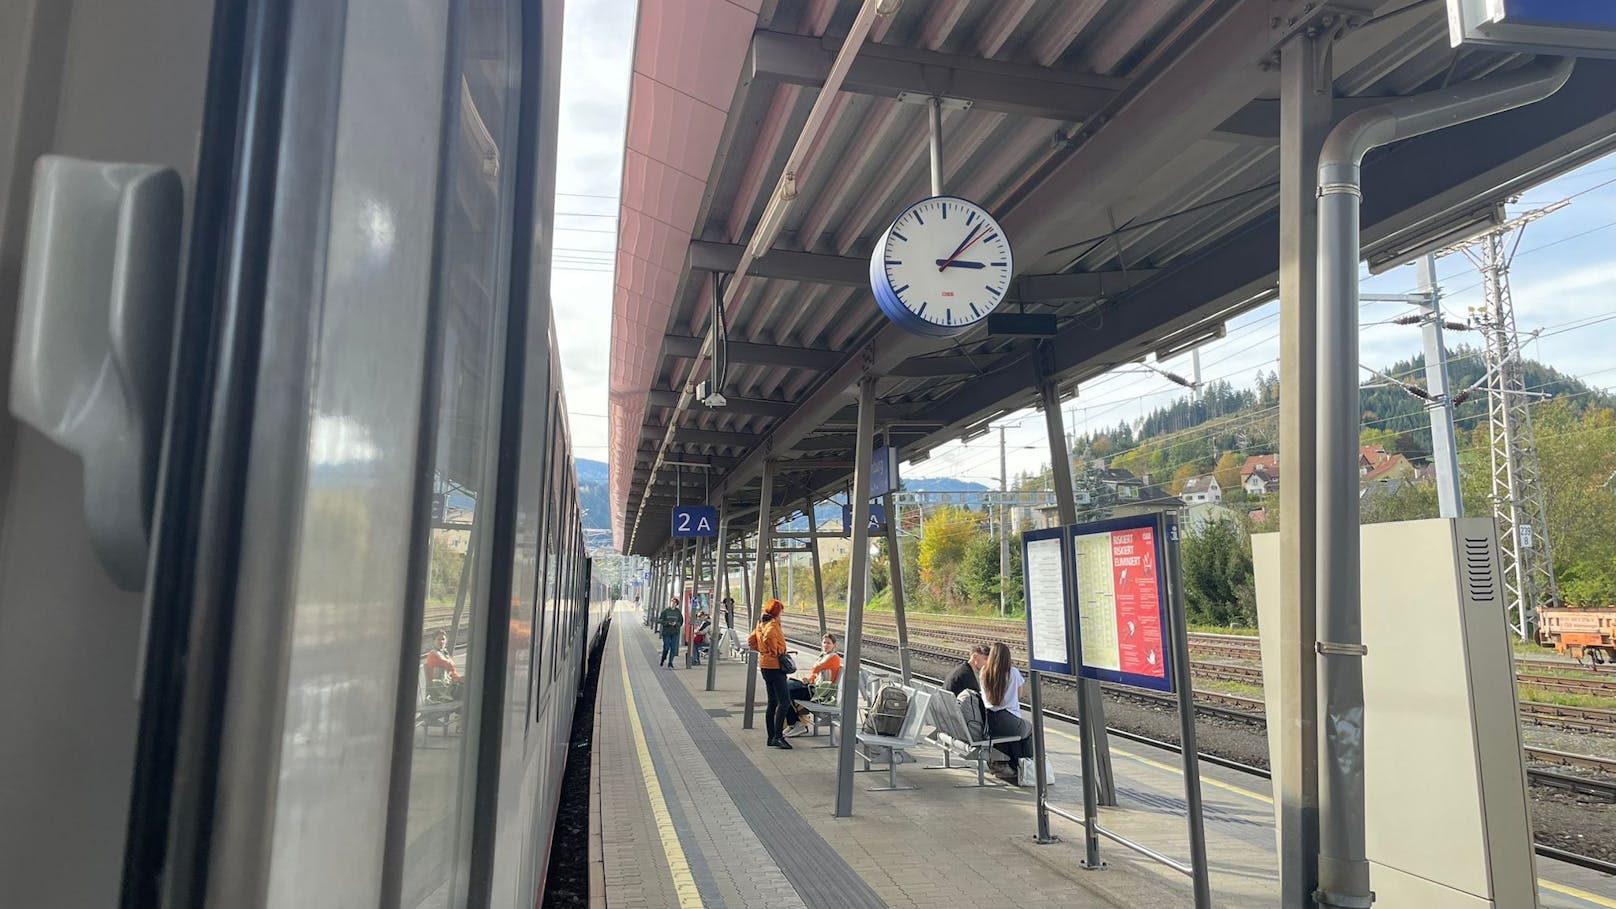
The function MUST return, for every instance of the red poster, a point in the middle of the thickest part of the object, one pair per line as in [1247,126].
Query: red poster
[1138,603]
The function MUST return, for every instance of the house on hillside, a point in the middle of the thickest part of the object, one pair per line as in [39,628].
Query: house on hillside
[1203,490]
[1386,475]
[1260,474]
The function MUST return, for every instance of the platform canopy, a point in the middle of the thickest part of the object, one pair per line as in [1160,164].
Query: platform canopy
[1130,148]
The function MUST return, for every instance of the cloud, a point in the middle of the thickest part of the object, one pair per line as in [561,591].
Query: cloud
[596,55]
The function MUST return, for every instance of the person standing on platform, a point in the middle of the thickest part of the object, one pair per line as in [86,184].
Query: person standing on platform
[671,622]
[964,676]
[769,640]
[1001,695]
[729,613]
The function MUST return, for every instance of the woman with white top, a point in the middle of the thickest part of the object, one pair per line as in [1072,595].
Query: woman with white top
[1001,695]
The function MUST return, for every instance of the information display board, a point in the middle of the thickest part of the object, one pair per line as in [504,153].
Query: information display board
[1043,562]
[883,471]
[1121,601]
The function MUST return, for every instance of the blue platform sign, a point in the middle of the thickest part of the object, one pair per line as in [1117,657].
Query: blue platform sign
[694,521]
[1578,27]
[883,471]
[878,519]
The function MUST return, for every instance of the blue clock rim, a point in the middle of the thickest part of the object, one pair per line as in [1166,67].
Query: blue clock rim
[894,309]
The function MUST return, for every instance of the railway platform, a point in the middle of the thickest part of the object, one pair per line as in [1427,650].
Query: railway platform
[689,809]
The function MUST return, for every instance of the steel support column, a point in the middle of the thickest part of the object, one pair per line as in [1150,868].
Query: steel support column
[1091,709]
[895,571]
[1444,450]
[764,543]
[1306,77]
[857,560]
[720,590]
[813,558]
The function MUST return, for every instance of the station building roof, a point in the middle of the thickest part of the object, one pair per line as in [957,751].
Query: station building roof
[1130,149]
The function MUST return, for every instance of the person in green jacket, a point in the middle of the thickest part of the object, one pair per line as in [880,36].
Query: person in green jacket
[671,622]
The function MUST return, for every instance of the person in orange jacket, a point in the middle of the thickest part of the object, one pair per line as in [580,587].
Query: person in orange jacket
[769,640]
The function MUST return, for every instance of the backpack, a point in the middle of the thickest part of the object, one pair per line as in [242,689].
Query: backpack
[971,709]
[887,710]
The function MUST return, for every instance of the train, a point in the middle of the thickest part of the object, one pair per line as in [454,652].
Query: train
[328,424]
[1580,632]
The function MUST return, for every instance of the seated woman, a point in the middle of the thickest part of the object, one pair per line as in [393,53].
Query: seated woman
[1001,696]
[443,680]
[828,666]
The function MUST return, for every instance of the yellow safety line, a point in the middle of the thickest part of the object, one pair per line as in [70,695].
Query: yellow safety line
[1562,889]
[684,886]
[1574,893]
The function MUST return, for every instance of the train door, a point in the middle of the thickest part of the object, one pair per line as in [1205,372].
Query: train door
[261,711]
[109,82]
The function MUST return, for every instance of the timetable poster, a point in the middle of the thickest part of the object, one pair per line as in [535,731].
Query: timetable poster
[1043,561]
[1121,604]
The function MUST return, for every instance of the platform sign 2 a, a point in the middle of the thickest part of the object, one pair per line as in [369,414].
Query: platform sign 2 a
[1576,27]
[1121,597]
[695,521]
[878,519]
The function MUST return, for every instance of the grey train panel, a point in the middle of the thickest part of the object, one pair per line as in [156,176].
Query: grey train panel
[113,82]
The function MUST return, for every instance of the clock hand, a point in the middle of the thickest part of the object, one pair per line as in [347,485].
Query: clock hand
[945,263]
[969,239]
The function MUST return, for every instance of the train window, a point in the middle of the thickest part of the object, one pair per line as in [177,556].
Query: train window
[475,200]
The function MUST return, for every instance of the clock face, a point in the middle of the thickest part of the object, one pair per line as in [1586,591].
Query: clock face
[942,266]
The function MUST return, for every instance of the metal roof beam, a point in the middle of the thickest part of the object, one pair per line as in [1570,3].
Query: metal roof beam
[685,435]
[1083,285]
[751,352]
[752,407]
[850,271]
[1010,88]
[844,271]
[1258,121]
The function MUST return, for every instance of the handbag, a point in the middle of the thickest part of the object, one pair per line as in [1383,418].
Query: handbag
[787,663]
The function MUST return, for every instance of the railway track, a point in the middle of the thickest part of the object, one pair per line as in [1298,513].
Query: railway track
[1604,789]
[952,633]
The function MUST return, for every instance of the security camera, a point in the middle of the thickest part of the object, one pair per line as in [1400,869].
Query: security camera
[706,395]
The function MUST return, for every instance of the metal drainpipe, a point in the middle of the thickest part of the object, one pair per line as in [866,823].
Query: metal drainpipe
[1343,860]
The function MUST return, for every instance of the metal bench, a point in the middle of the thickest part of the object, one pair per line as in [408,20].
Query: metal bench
[895,745]
[952,735]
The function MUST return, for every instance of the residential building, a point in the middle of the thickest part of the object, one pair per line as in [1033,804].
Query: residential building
[1260,474]
[1201,491]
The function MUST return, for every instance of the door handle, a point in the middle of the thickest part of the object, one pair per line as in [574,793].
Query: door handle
[95,334]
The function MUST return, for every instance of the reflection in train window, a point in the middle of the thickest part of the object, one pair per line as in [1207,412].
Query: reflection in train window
[475,198]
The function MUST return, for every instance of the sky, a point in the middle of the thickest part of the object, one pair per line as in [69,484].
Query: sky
[1563,280]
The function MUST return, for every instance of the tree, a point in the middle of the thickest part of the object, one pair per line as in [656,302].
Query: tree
[1228,470]
[1219,586]
[979,575]
[1184,473]
[943,544]
[1408,502]
[1375,437]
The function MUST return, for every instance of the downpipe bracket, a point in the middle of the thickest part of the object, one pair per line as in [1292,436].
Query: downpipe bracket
[1331,648]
